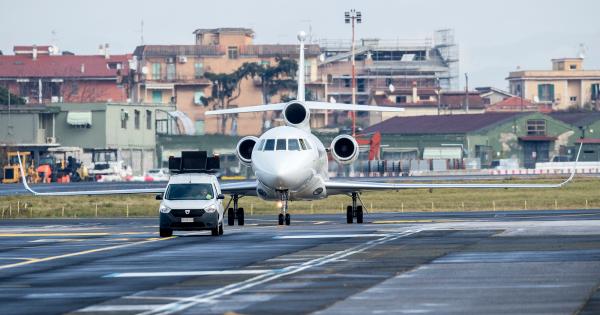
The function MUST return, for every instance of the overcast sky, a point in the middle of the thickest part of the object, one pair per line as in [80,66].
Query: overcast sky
[494,36]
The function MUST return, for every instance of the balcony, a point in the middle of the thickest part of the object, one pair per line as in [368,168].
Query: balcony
[177,79]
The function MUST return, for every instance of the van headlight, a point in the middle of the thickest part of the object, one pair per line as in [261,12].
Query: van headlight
[164,209]
[211,209]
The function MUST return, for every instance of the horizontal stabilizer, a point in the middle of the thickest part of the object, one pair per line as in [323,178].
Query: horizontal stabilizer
[309,105]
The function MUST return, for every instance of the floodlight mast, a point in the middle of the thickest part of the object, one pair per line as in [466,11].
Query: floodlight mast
[353,17]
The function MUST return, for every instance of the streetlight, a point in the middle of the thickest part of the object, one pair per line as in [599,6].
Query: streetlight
[352,17]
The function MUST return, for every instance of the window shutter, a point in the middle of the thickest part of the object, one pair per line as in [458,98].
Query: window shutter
[551,88]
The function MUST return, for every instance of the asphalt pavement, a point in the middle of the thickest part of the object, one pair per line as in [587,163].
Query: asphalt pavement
[530,262]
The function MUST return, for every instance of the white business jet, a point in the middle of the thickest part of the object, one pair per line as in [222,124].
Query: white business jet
[290,163]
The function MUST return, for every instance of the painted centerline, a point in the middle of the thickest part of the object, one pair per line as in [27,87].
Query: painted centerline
[186,273]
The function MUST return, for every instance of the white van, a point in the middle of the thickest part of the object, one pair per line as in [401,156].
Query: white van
[192,201]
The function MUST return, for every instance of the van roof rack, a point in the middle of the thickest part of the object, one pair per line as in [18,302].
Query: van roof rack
[194,162]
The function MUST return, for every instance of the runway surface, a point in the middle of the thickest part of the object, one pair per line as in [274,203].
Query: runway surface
[536,262]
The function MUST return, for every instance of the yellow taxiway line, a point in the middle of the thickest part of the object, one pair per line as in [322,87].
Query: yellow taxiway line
[90,251]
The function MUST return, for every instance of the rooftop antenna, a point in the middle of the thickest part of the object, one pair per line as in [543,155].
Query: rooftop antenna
[142,32]
[582,51]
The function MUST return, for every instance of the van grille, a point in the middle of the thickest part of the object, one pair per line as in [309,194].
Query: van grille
[180,213]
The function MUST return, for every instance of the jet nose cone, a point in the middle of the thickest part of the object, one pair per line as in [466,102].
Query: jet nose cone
[287,175]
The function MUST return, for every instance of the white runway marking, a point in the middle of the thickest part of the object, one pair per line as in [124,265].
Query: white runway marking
[329,236]
[213,295]
[187,273]
[118,308]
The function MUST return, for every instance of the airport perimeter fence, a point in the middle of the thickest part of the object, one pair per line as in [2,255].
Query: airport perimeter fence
[23,208]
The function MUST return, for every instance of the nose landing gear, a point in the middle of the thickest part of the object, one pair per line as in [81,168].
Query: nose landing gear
[354,210]
[235,212]
[284,217]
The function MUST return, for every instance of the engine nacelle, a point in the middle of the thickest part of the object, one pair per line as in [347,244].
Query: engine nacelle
[244,149]
[296,114]
[344,149]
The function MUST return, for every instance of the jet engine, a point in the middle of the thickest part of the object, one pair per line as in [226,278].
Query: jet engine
[296,114]
[244,149]
[344,149]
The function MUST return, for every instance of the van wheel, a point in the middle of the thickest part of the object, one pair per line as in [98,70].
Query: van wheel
[165,232]
[240,216]
[214,231]
[230,217]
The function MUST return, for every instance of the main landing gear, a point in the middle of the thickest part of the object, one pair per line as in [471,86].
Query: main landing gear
[235,212]
[284,217]
[354,210]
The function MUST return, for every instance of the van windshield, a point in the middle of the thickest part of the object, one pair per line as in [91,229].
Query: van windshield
[189,192]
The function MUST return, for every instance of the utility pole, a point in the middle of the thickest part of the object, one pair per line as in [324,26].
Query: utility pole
[467,92]
[439,96]
[352,17]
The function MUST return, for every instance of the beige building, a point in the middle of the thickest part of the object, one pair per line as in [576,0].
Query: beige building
[175,74]
[566,85]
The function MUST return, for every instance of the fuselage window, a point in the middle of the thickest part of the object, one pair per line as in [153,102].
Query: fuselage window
[307,144]
[280,144]
[302,144]
[270,145]
[293,145]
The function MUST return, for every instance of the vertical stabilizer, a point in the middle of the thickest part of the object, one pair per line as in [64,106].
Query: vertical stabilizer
[301,38]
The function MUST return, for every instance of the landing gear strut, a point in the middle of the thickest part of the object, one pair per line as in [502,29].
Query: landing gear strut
[354,210]
[284,217]
[235,212]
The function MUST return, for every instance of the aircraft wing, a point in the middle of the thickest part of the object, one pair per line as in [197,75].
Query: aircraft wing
[245,188]
[348,186]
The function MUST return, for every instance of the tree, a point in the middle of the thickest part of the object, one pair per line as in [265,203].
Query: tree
[273,78]
[14,99]
[225,89]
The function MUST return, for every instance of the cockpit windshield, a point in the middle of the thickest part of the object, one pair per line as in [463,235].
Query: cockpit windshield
[292,144]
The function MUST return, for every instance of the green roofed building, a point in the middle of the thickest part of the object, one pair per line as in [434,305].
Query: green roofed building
[529,137]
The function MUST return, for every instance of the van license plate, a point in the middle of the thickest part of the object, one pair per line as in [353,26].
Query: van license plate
[187,220]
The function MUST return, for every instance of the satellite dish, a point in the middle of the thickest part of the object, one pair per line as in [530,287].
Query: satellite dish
[391,88]
[536,99]
[145,70]
[322,57]
[332,100]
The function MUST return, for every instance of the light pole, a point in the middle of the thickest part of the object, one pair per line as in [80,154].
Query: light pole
[467,92]
[353,17]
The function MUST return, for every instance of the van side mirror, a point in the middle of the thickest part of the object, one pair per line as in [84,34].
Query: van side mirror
[159,197]
[221,196]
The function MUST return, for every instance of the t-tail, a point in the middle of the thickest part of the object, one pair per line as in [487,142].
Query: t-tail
[296,113]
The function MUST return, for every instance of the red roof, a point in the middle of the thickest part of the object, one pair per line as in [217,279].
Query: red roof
[61,66]
[587,140]
[516,104]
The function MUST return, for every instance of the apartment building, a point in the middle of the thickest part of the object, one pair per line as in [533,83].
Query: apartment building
[175,74]
[41,75]
[566,86]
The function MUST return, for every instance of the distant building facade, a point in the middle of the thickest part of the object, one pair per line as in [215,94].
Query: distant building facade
[41,76]
[174,74]
[566,86]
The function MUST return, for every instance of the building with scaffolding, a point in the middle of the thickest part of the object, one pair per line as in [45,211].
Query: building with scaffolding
[391,67]
[405,72]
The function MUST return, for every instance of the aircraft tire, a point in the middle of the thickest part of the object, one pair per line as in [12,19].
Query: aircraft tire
[280,219]
[359,214]
[288,219]
[240,216]
[230,217]
[349,215]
